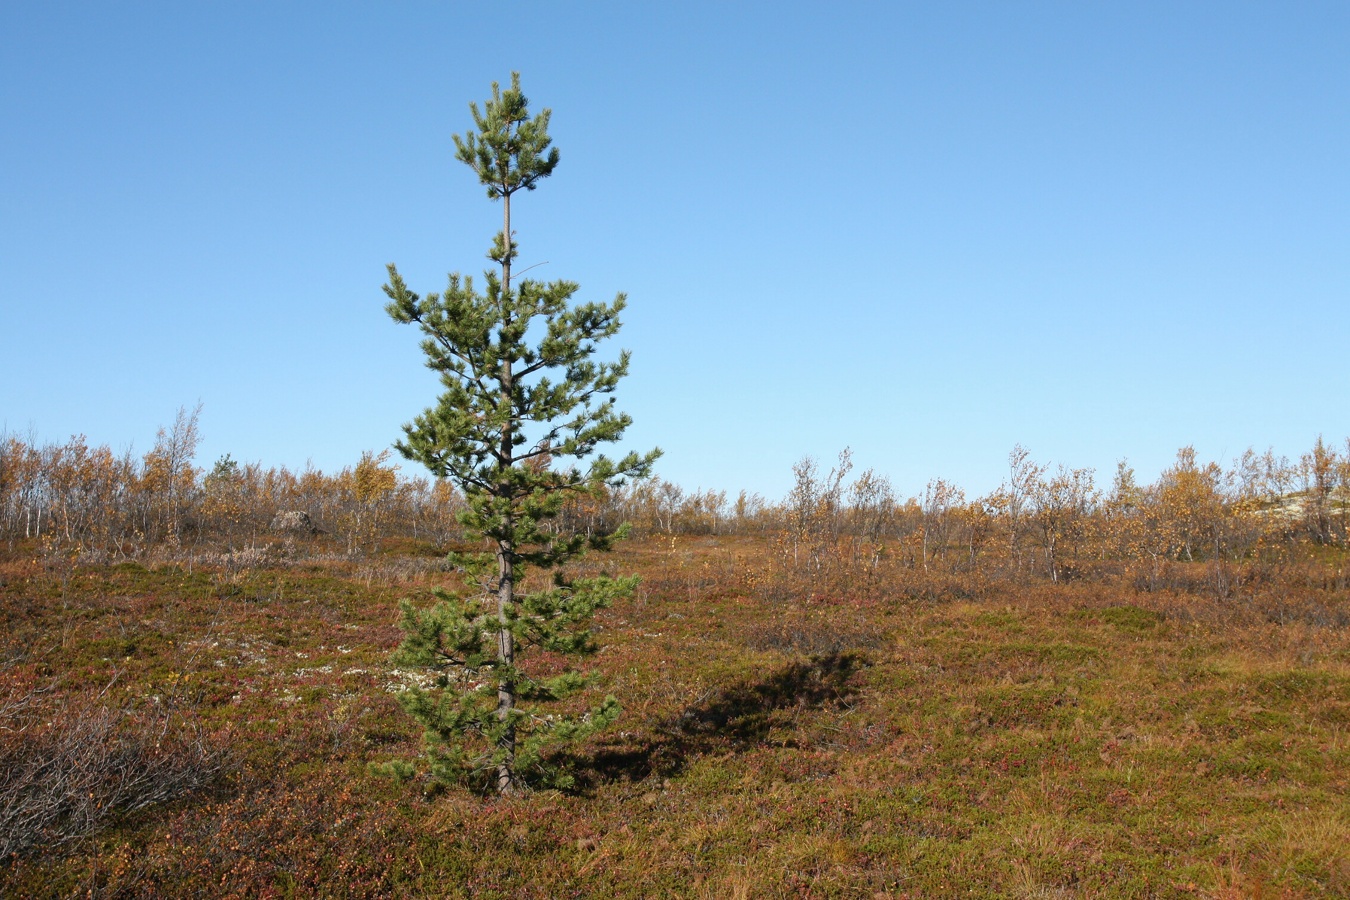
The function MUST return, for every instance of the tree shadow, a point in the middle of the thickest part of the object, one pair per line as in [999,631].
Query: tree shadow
[734,719]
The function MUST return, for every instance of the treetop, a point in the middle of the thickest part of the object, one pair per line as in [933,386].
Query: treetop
[510,150]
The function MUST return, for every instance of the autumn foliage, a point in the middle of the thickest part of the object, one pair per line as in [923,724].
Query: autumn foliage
[93,504]
[1244,524]
[1199,524]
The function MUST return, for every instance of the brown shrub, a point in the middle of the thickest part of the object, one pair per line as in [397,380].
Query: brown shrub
[84,767]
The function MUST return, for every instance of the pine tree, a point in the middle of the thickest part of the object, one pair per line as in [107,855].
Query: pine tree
[517,427]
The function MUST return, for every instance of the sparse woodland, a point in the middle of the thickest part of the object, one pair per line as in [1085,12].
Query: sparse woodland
[1073,686]
[1228,529]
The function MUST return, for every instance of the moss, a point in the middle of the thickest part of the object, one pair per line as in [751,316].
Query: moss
[1299,684]
[1130,618]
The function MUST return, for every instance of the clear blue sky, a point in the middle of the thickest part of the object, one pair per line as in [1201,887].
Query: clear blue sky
[926,231]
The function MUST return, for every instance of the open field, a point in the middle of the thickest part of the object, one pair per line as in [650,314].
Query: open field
[1037,740]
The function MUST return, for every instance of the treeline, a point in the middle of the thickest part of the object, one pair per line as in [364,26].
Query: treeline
[1199,525]
[833,527]
[73,497]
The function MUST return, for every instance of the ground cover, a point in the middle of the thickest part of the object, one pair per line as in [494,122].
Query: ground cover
[1005,740]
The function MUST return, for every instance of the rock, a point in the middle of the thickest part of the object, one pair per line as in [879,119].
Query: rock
[294,522]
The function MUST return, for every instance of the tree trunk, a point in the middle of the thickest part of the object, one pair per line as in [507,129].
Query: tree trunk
[506,655]
[506,600]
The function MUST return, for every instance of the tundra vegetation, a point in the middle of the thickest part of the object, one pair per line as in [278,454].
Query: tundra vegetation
[1053,690]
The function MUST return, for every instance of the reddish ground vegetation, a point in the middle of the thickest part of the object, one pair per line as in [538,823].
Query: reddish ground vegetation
[836,729]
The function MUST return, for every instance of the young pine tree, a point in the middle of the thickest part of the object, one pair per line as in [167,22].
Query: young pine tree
[523,411]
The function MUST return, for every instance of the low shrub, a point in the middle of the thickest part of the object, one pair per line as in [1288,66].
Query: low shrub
[85,766]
